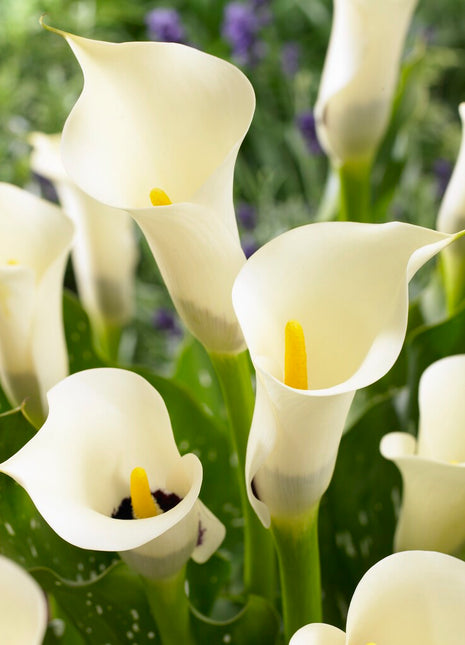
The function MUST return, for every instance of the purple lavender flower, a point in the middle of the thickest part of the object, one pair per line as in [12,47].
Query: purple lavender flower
[240,29]
[290,59]
[442,169]
[247,216]
[165,320]
[165,25]
[249,246]
[306,123]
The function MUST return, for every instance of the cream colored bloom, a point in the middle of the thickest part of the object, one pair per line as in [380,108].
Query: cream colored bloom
[413,598]
[102,424]
[346,284]
[433,468]
[451,219]
[35,238]
[23,610]
[167,116]
[104,250]
[360,75]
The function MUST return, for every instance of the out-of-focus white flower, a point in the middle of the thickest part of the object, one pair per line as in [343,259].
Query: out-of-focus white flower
[412,598]
[35,239]
[433,467]
[104,251]
[164,122]
[451,219]
[23,610]
[103,424]
[346,284]
[360,75]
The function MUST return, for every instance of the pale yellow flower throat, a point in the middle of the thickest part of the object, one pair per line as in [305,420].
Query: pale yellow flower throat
[295,356]
[143,503]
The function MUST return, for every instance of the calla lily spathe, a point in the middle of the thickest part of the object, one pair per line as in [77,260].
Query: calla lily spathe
[167,116]
[102,424]
[451,219]
[104,251]
[412,598]
[35,239]
[433,467]
[23,609]
[346,284]
[360,75]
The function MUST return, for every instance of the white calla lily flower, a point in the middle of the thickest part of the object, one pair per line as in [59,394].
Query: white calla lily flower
[451,219]
[35,239]
[360,75]
[23,610]
[104,251]
[411,598]
[103,424]
[164,122]
[347,286]
[433,467]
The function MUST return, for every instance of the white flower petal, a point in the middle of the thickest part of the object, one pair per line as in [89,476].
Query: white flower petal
[102,424]
[318,634]
[131,114]
[104,250]
[23,610]
[360,75]
[412,598]
[433,471]
[34,244]
[451,218]
[346,284]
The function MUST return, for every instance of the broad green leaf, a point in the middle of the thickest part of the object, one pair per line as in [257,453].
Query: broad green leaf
[195,371]
[256,624]
[81,352]
[111,609]
[357,516]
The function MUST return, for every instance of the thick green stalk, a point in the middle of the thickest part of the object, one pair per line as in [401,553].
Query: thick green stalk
[107,339]
[296,541]
[355,191]
[259,558]
[170,608]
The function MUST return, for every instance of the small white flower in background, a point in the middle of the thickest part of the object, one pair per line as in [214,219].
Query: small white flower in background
[433,467]
[360,75]
[164,123]
[451,219]
[78,470]
[104,251]
[23,610]
[412,598]
[35,239]
[345,284]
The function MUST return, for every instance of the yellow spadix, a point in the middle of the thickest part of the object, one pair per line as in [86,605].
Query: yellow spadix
[143,503]
[295,356]
[158,197]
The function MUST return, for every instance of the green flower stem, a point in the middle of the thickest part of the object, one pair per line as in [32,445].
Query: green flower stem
[107,339]
[355,191]
[452,266]
[170,608]
[259,558]
[296,541]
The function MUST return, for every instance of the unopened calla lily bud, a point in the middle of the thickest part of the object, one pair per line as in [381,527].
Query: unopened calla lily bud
[360,75]
[451,219]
